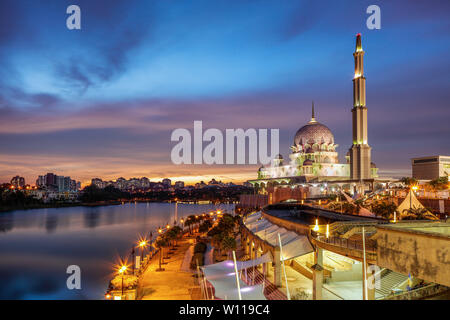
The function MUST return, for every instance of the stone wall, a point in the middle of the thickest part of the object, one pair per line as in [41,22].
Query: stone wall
[424,256]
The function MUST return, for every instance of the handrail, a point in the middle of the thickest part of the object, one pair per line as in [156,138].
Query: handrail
[371,245]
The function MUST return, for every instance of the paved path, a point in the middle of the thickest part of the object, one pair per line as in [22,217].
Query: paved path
[173,283]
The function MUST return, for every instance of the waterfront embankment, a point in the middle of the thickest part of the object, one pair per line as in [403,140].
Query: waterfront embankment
[176,282]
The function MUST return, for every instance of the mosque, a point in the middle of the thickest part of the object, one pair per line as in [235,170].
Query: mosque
[314,159]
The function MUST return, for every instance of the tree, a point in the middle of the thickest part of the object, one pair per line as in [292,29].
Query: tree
[161,243]
[384,209]
[228,244]
[349,208]
[190,220]
[417,213]
[408,181]
[439,184]
[217,239]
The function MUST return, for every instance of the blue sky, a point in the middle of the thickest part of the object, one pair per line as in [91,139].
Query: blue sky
[102,101]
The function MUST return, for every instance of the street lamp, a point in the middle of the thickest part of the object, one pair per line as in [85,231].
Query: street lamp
[142,245]
[122,270]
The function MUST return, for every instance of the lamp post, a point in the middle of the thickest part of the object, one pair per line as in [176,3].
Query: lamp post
[121,272]
[142,245]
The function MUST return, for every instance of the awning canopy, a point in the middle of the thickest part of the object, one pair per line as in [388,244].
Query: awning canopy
[222,277]
[299,247]
[225,288]
[226,268]
[293,244]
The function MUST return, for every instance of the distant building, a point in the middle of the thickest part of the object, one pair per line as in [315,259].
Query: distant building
[145,183]
[200,185]
[432,167]
[216,183]
[167,183]
[98,183]
[247,184]
[179,184]
[18,182]
[57,183]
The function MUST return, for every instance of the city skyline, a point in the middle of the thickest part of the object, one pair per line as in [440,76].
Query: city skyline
[105,106]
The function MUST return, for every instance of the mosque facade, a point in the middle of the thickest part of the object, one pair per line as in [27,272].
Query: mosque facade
[313,157]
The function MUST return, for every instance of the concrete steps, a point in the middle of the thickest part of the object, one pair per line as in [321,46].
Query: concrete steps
[389,281]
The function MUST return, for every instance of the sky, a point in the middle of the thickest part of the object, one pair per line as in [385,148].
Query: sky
[103,101]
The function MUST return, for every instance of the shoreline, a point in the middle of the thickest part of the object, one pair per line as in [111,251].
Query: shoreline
[98,204]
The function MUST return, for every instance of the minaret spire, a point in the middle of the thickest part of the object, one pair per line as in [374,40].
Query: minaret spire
[313,119]
[360,152]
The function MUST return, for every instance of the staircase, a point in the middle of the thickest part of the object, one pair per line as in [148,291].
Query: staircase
[389,281]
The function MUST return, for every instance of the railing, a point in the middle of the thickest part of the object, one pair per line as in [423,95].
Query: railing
[370,244]
[252,276]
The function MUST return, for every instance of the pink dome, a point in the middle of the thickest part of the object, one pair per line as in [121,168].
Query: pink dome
[312,133]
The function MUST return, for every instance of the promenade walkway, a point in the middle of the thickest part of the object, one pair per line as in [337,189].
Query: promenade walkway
[175,283]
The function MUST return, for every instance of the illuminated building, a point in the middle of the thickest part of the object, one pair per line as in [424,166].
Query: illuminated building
[313,155]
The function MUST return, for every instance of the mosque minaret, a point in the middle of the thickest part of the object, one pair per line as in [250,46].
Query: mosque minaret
[360,167]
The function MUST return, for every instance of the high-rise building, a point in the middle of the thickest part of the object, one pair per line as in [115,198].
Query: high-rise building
[98,183]
[167,183]
[360,151]
[50,179]
[18,182]
[430,168]
[179,184]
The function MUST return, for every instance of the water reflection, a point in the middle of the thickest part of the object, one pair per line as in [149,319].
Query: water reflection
[36,246]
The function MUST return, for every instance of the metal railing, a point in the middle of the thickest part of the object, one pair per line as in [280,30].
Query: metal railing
[371,245]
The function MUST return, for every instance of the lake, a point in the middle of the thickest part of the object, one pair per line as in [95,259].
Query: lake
[37,246]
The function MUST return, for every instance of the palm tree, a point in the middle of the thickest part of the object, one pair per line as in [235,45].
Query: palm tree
[228,244]
[418,213]
[190,220]
[408,181]
[217,238]
[384,209]
[349,208]
[439,184]
[161,243]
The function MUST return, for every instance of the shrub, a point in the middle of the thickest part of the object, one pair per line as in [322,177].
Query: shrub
[200,248]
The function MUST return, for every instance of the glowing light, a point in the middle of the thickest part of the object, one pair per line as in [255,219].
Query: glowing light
[142,244]
[316,227]
[328,231]
[122,269]
[107,296]
[168,226]
[414,188]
